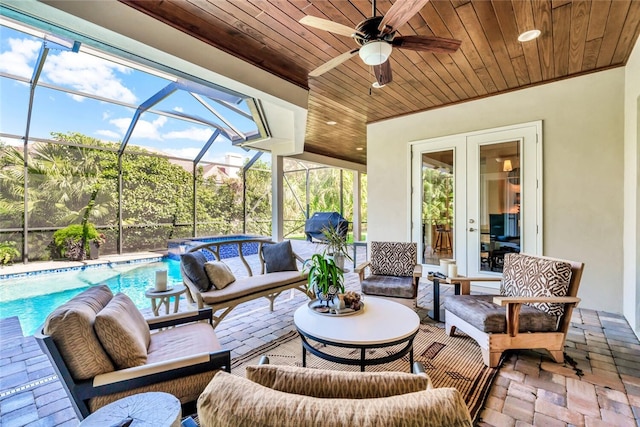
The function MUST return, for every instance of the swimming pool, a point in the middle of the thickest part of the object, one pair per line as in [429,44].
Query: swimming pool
[33,297]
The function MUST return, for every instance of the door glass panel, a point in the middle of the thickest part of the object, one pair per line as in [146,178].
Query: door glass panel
[437,206]
[499,203]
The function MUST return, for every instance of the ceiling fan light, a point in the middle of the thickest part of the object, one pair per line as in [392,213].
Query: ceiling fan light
[529,35]
[375,52]
[377,85]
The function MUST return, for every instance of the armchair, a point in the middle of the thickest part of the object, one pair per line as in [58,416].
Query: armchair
[103,349]
[293,396]
[394,271]
[533,310]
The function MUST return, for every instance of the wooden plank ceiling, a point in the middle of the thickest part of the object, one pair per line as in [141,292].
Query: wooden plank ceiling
[578,37]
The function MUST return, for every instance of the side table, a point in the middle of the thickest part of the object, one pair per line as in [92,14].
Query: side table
[461,287]
[152,409]
[165,298]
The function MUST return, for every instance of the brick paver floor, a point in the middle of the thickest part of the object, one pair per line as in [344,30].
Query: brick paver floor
[529,389]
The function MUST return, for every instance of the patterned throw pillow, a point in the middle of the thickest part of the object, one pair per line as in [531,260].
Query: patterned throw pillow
[219,274]
[528,276]
[393,258]
[336,384]
[123,332]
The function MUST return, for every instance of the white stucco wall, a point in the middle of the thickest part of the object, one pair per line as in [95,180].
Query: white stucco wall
[583,132]
[632,190]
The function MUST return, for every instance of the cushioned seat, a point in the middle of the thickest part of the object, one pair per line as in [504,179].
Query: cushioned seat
[245,286]
[292,396]
[103,349]
[394,272]
[483,314]
[390,286]
[537,296]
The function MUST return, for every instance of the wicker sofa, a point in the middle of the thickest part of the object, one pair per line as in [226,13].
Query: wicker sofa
[276,271]
[291,396]
[103,349]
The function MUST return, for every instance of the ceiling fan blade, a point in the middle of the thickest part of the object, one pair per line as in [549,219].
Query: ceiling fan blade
[325,24]
[399,14]
[428,44]
[333,63]
[383,73]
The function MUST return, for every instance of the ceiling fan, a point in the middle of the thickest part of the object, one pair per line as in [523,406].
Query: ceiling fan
[376,37]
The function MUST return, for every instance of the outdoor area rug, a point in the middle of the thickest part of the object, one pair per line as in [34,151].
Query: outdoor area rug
[449,361]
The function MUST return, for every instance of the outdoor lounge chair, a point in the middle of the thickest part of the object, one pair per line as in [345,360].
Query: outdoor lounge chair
[537,297]
[291,395]
[89,338]
[394,272]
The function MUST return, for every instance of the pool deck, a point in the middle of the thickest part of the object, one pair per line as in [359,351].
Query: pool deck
[529,389]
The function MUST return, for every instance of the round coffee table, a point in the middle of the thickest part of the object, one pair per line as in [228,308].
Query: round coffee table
[382,323]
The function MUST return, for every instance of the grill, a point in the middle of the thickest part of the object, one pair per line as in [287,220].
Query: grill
[320,220]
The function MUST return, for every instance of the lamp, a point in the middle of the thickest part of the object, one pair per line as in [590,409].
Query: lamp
[506,166]
[375,52]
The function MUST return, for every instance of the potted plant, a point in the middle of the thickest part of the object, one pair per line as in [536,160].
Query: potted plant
[336,246]
[325,278]
[73,241]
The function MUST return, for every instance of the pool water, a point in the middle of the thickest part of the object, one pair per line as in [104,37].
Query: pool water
[33,298]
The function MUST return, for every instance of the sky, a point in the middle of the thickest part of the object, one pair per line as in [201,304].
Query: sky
[58,111]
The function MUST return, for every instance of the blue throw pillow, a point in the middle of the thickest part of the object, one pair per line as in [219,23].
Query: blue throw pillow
[193,264]
[279,257]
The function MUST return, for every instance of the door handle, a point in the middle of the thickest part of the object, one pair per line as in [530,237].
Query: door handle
[472,229]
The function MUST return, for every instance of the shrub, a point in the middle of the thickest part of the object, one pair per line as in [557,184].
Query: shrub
[8,252]
[67,242]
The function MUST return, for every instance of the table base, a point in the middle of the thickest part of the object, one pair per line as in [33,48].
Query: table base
[362,361]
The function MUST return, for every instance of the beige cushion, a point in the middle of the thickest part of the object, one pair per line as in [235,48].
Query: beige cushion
[234,401]
[244,286]
[219,274]
[123,332]
[336,384]
[71,328]
[182,341]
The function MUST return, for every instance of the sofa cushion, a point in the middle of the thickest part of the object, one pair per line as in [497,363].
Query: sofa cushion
[527,276]
[336,384]
[234,401]
[123,332]
[279,257]
[389,286]
[193,265]
[219,274]
[182,341]
[483,314]
[245,286]
[393,258]
[71,328]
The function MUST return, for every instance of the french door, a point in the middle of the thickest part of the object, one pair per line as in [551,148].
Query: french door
[477,197]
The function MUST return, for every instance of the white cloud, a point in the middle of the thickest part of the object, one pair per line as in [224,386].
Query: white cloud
[108,133]
[19,58]
[193,133]
[144,129]
[178,109]
[89,74]
[106,115]
[79,71]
